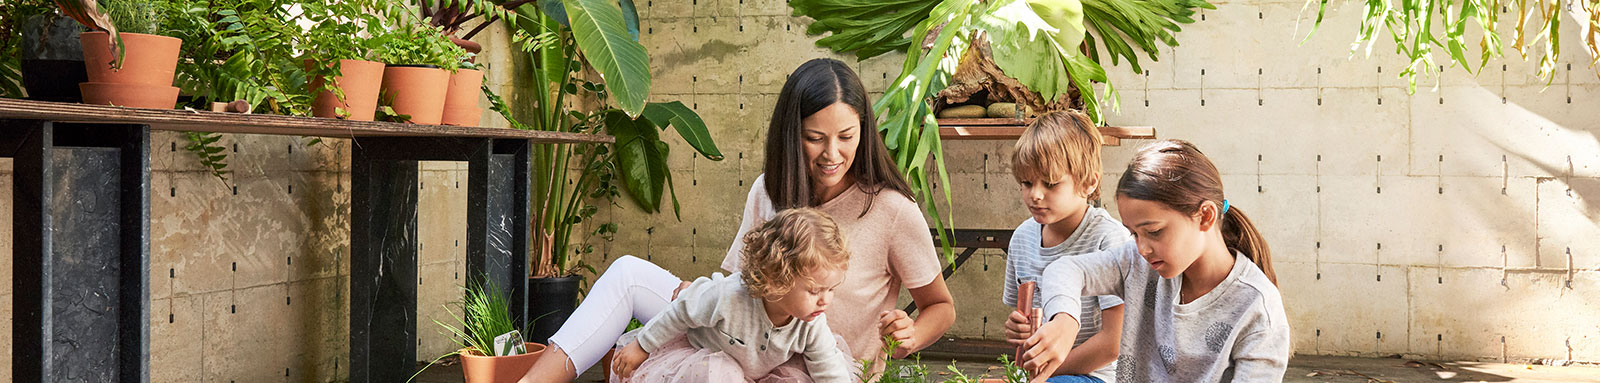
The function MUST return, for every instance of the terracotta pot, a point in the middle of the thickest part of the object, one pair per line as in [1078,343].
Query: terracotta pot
[463,116]
[461,101]
[147,59]
[498,369]
[416,91]
[360,80]
[130,95]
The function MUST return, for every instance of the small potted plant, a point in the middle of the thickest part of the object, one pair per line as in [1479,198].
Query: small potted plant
[338,46]
[492,350]
[130,66]
[420,60]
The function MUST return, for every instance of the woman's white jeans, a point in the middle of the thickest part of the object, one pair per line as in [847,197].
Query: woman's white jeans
[631,288]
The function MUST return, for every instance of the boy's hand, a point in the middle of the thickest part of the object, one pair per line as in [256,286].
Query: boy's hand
[1018,328]
[681,286]
[623,363]
[897,324]
[1047,348]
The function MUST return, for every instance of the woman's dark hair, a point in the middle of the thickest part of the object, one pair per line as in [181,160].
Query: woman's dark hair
[1174,173]
[818,84]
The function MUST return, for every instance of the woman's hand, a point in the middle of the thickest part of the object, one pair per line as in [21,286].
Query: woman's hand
[623,363]
[1047,348]
[898,325]
[1018,328]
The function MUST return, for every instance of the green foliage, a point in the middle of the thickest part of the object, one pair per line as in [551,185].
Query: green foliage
[485,313]
[866,27]
[1122,25]
[1011,373]
[894,370]
[212,156]
[240,50]
[136,16]
[600,31]
[570,179]
[1419,27]
[419,45]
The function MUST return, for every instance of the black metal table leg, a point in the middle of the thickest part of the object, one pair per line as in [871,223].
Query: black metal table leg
[497,220]
[81,251]
[384,244]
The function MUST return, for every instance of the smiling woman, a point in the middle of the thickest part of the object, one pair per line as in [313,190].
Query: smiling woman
[823,153]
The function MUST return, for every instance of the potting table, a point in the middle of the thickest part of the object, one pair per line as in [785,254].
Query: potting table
[81,208]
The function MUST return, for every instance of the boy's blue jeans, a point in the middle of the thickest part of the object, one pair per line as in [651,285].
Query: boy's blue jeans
[1074,379]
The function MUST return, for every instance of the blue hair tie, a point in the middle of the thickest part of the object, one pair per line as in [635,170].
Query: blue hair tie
[1224,208]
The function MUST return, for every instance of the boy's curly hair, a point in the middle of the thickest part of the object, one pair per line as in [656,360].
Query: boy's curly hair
[781,251]
[1059,146]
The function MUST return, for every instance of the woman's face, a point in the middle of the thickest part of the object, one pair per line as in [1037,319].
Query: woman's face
[1169,241]
[831,136]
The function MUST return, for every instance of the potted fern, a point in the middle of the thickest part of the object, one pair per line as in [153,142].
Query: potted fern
[420,60]
[132,67]
[492,349]
[339,46]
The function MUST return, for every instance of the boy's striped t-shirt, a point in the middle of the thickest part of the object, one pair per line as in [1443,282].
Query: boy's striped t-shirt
[1027,258]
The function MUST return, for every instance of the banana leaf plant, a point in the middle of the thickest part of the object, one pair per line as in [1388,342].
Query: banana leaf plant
[1418,27]
[597,42]
[1052,47]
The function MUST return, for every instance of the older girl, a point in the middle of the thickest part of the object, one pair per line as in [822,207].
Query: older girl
[1202,301]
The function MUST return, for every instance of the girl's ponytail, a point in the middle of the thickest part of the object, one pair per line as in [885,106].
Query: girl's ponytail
[1241,236]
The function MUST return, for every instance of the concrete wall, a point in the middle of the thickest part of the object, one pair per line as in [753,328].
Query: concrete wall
[1456,224]
[1434,225]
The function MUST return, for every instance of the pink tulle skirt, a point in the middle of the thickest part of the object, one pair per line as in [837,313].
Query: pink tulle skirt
[680,362]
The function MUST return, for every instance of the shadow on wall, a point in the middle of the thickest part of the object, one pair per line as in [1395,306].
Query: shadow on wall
[1579,129]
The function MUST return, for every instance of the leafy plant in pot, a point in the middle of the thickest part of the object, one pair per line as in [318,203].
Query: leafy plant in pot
[41,52]
[133,67]
[420,60]
[340,45]
[489,336]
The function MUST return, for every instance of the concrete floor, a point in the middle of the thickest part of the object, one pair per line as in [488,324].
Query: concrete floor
[1304,368]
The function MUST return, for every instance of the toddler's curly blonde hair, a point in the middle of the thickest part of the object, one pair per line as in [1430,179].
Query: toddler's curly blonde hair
[784,249]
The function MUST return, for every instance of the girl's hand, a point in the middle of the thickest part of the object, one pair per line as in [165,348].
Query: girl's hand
[623,363]
[1047,348]
[1018,328]
[899,326]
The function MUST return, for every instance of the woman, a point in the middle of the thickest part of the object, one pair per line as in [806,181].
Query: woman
[823,152]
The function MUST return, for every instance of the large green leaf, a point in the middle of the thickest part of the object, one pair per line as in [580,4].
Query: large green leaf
[867,27]
[602,35]
[641,159]
[1033,40]
[687,123]
[1123,24]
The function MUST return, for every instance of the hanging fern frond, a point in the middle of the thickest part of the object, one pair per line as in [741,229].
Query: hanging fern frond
[213,157]
[1418,27]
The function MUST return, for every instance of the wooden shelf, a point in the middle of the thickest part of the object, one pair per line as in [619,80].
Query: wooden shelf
[188,120]
[1011,128]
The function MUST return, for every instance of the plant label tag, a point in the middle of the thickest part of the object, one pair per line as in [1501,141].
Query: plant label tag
[509,344]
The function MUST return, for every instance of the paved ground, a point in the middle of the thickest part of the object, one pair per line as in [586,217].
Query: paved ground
[1303,368]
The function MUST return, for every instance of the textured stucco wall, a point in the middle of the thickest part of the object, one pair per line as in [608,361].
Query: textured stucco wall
[1458,223]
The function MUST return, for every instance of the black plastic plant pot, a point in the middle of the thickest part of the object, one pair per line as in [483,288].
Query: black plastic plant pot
[550,302]
[53,80]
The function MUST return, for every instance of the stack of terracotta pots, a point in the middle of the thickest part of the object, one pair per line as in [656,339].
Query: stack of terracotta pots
[142,80]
